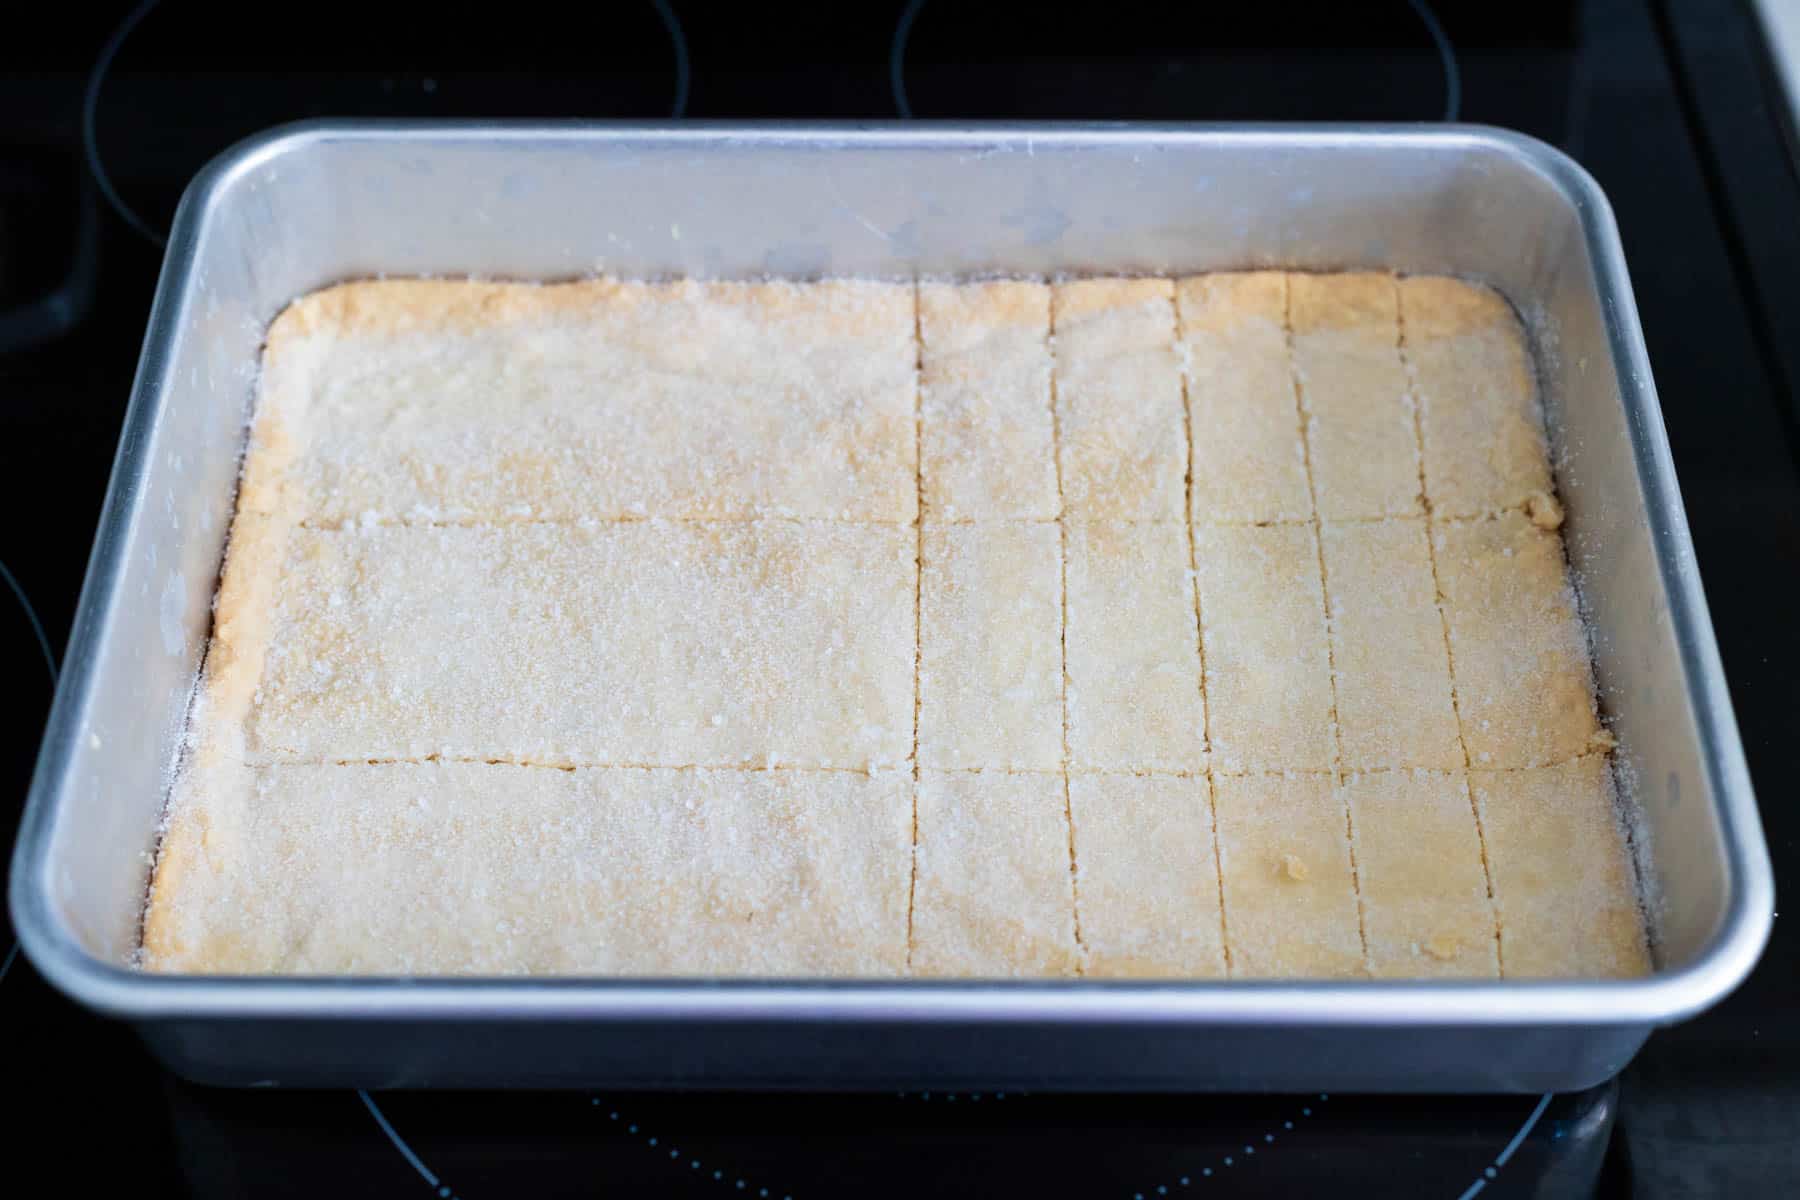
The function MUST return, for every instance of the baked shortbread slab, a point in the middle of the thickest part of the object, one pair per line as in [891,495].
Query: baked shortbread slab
[1426,910]
[640,643]
[1133,653]
[445,400]
[1361,442]
[1268,659]
[1147,887]
[479,869]
[1289,888]
[1477,393]
[987,432]
[1394,701]
[1562,874]
[1120,418]
[990,647]
[1217,626]
[994,893]
[1524,684]
[1248,455]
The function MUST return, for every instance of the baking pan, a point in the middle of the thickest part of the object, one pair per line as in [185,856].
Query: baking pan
[308,205]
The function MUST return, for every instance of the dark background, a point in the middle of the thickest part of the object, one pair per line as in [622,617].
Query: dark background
[1668,102]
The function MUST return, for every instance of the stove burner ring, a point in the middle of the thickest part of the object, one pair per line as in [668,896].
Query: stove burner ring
[1452,72]
[90,103]
[683,72]
[43,641]
[1487,1176]
[406,1151]
[1492,1170]
[1439,38]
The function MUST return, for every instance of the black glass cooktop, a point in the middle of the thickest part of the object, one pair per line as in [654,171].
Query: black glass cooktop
[105,112]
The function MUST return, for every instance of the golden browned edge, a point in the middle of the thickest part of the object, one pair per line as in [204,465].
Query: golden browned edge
[255,546]
[215,747]
[300,334]
[1078,298]
[1457,306]
[385,307]
[182,843]
[1247,295]
[1354,299]
[390,307]
[1001,302]
[1613,783]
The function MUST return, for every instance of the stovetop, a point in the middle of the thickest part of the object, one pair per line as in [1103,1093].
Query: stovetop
[105,112]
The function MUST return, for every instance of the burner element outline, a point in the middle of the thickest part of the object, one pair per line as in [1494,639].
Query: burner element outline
[1440,40]
[90,104]
[406,1151]
[1518,1139]
[43,641]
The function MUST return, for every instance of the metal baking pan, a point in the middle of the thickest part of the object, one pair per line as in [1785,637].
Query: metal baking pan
[311,204]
